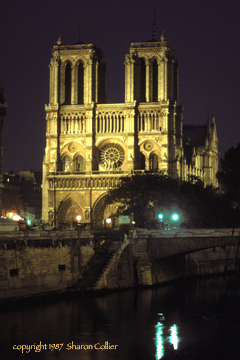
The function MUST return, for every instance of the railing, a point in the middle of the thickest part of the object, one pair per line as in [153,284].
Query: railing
[73,123]
[75,183]
[110,122]
[94,172]
[149,120]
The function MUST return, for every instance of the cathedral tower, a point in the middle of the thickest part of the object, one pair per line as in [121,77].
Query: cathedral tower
[90,145]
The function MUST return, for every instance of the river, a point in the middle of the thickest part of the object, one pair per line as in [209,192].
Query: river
[147,323]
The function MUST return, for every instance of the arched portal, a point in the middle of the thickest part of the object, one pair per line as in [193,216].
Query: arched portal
[68,212]
[103,209]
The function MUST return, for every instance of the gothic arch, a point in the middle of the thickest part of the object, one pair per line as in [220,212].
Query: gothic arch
[66,159]
[80,82]
[82,60]
[68,211]
[71,147]
[68,83]
[102,143]
[140,79]
[154,162]
[154,82]
[142,161]
[102,209]
[79,162]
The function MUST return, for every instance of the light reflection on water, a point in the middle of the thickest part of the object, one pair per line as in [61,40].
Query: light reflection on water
[162,340]
[143,323]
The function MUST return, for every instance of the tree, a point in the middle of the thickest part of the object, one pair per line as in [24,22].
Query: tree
[149,194]
[229,176]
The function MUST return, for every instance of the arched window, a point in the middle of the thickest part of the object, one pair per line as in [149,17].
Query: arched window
[80,84]
[142,162]
[68,84]
[142,81]
[153,162]
[155,81]
[79,163]
[67,163]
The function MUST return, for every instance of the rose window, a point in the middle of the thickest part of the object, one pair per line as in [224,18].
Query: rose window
[112,156]
[148,146]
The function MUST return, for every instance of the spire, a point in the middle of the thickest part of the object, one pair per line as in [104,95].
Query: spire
[214,119]
[154,25]
[163,36]
[59,42]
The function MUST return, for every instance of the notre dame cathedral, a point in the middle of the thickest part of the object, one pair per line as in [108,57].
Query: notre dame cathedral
[90,144]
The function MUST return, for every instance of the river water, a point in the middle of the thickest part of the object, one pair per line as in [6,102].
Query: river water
[150,323]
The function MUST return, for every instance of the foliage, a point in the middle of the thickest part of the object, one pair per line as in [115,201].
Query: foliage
[229,176]
[149,194]
[12,202]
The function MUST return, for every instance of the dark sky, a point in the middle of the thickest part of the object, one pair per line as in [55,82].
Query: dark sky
[204,33]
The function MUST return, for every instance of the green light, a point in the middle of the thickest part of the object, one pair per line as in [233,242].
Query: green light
[159,341]
[160,216]
[28,222]
[175,217]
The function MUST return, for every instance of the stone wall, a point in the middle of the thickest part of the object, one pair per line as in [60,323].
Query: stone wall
[40,262]
[158,260]
[30,266]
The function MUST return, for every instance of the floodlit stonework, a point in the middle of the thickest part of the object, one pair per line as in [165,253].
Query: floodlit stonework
[90,144]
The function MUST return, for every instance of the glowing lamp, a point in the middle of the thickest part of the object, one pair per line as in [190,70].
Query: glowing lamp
[16,217]
[175,217]
[108,220]
[79,217]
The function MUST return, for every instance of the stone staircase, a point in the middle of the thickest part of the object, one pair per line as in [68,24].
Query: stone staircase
[110,266]
[91,273]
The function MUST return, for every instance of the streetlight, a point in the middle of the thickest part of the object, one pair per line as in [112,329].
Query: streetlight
[160,216]
[175,217]
[78,218]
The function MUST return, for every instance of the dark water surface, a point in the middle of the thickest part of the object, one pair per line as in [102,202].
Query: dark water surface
[129,325]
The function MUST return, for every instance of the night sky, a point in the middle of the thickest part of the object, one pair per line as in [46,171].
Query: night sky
[204,33]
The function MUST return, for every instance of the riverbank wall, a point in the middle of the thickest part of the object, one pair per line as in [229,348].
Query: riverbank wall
[153,258]
[43,262]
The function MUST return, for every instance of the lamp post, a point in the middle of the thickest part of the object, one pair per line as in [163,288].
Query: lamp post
[79,218]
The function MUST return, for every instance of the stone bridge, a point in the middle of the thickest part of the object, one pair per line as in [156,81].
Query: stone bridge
[162,256]
[163,244]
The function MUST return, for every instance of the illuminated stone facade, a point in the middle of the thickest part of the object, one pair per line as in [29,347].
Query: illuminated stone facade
[90,145]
